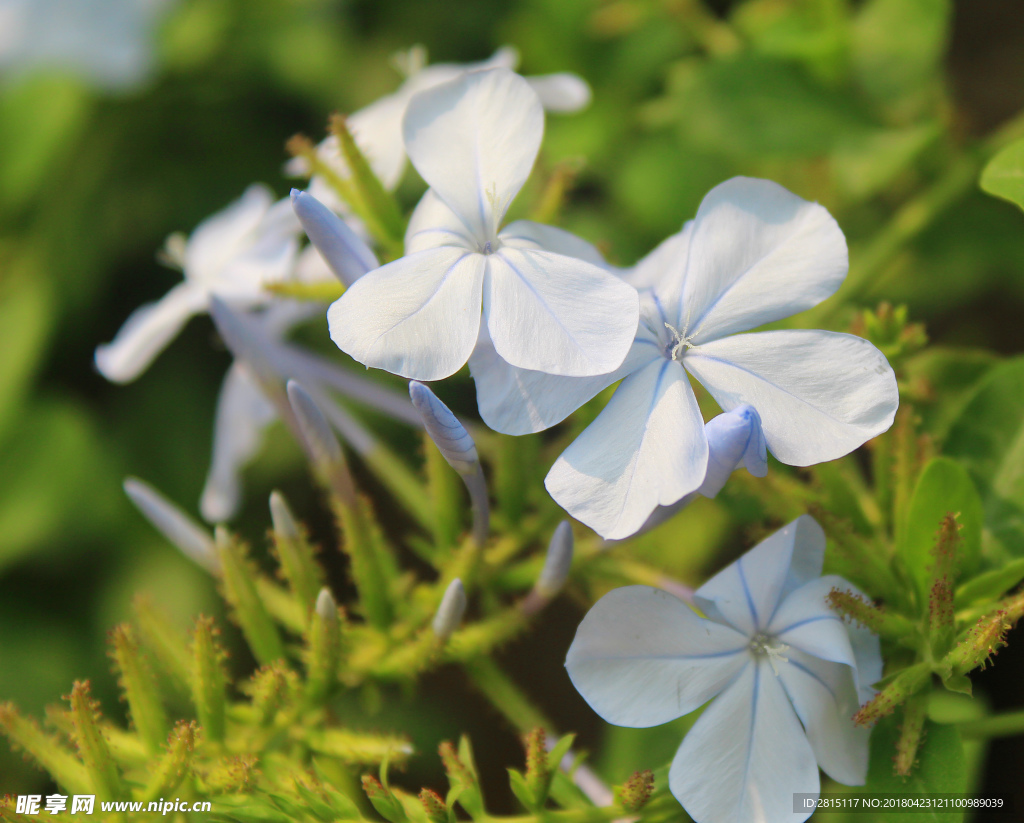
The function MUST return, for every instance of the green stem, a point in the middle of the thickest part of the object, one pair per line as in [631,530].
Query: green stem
[1000,725]
[506,696]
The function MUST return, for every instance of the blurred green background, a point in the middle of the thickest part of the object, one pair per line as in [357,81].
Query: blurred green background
[883,110]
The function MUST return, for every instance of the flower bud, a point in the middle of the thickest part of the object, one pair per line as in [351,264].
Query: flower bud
[444,428]
[735,438]
[449,613]
[282,517]
[321,444]
[342,249]
[636,791]
[191,538]
[558,561]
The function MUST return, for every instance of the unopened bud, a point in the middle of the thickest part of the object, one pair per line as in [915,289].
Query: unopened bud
[982,642]
[635,792]
[320,442]
[444,428]
[881,621]
[735,439]
[282,517]
[383,800]
[191,538]
[558,561]
[450,612]
[341,248]
[900,689]
[244,341]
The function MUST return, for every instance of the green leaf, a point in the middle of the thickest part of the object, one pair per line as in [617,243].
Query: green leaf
[988,438]
[753,108]
[944,486]
[866,162]
[26,317]
[940,769]
[897,48]
[558,751]
[1004,175]
[521,789]
[991,584]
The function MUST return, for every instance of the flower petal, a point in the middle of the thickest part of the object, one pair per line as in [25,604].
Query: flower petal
[433,225]
[745,756]
[474,140]
[557,314]
[820,394]
[805,621]
[526,234]
[758,253]
[642,657]
[867,651]
[417,317]
[243,413]
[563,93]
[342,249]
[647,448]
[663,268]
[147,331]
[825,700]
[521,401]
[745,594]
[218,238]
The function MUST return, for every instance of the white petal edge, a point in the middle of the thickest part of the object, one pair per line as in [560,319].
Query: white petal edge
[474,140]
[746,755]
[243,414]
[758,253]
[432,225]
[219,237]
[746,593]
[562,93]
[820,394]
[417,317]
[642,657]
[556,314]
[646,448]
[825,700]
[147,332]
[520,401]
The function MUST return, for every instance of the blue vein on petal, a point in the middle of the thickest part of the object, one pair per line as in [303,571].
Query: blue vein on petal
[746,591]
[755,693]
[709,656]
[807,620]
[405,319]
[536,294]
[810,673]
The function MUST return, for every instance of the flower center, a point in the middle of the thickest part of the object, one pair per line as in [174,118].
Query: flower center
[677,345]
[763,645]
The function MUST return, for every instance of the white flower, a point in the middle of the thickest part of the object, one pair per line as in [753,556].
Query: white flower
[474,140]
[755,253]
[264,362]
[377,129]
[788,675]
[231,255]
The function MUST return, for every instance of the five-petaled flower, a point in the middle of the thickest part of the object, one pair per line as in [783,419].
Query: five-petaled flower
[787,672]
[474,140]
[755,253]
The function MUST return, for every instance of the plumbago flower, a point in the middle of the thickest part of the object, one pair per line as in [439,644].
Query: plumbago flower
[231,255]
[788,675]
[474,140]
[755,253]
[377,129]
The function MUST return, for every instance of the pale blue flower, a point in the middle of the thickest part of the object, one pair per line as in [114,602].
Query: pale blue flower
[474,140]
[231,255]
[377,129]
[786,673]
[755,253]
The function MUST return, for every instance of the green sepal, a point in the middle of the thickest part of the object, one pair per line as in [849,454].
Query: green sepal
[386,804]
[208,682]
[462,776]
[356,748]
[92,747]
[165,643]
[959,683]
[248,608]
[299,566]
[174,766]
[49,752]
[323,648]
[521,789]
[140,688]
[560,750]
[371,560]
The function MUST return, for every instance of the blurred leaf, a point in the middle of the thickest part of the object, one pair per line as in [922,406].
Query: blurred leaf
[898,46]
[749,107]
[944,486]
[940,769]
[816,34]
[990,585]
[1004,175]
[988,438]
[53,471]
[26,317]
[866,162]
[946,376]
